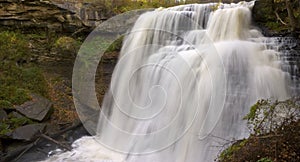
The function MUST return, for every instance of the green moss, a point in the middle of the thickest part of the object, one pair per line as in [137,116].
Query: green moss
[13,48]
[67,45]
[4,130]
[17,122]
[276,26]
[8,125]
[12,95]
[34,80]
[271,123]
[20,96]
[5,104]
[18,77]
[116,45]
[265,159]
[252,114]
[227,153]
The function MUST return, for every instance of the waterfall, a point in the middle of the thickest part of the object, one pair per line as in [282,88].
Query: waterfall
[186,77]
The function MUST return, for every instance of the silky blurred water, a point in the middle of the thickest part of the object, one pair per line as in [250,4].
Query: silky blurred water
[185,78]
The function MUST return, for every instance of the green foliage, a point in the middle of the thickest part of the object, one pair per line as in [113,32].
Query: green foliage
[15,122]
[12,95]
[18,78]
[13,48]
[265,159]
[227,153]
[5,104]
[95,44]
[33,79]
[8,125]
[18,95]
[92,47]
[17,83]
[276,26]
[278,16]
[216,6]
[281,8]
[116,45]
[275,128]
[4,129]
[67,45]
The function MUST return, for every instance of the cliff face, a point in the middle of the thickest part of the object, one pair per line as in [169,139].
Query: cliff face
[70,16]
[91,14]
[34,14]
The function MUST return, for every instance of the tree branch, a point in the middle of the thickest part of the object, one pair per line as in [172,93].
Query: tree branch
[278,18]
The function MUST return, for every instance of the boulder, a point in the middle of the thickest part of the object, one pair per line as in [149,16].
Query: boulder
[27,132]
[37,109]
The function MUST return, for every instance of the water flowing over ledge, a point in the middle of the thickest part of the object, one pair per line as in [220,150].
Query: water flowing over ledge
[185,78]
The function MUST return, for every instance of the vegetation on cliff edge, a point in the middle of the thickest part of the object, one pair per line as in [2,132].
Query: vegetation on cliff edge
[275,134]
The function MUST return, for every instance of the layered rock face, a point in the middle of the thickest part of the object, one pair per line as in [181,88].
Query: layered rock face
[34,14]
[58,16]
[91,14]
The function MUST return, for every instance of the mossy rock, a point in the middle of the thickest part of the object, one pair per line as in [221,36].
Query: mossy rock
[5,130]
[37,109]
[66,47]
[13,121]
[227,154]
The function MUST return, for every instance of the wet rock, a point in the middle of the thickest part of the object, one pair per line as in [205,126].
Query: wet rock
[37,109]
[3,115]
[27,132]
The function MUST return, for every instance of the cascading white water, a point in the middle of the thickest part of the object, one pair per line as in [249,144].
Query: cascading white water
[186,77]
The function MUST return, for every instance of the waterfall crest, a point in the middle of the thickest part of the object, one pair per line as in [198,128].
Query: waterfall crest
[185,78]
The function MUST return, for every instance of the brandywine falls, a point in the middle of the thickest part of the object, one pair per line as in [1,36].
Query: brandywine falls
[185,78]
